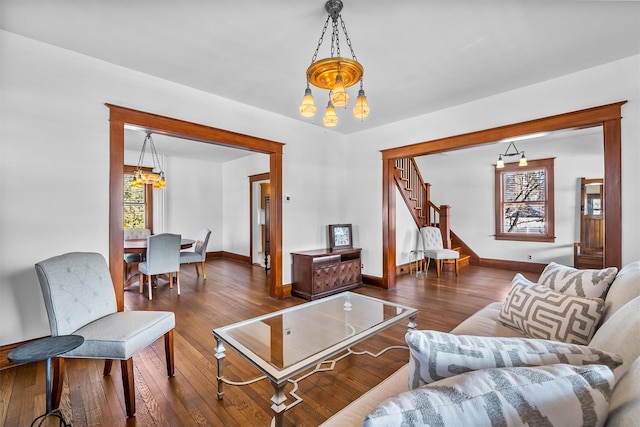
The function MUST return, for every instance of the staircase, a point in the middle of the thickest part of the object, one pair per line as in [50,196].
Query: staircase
[417,197]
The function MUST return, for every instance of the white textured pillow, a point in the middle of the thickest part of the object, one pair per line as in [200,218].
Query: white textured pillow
[541,312]
[437,355]
[554,395]
[580,283]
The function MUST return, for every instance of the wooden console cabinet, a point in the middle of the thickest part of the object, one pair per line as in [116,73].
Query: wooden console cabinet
[322,272]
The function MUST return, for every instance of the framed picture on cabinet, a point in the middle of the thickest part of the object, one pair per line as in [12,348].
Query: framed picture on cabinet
[340,236]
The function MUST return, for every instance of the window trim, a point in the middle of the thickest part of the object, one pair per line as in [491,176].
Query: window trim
[148,196]
[549,235]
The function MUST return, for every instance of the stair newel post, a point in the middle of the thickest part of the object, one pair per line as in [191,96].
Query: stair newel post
[445,225]
[427,205]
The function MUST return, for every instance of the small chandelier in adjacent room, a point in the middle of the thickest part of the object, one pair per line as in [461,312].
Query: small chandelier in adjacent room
[335,73]
[156,176]
[523,159]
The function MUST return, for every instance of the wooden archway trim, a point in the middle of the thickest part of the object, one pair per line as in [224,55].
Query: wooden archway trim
[608,116]
[121,116]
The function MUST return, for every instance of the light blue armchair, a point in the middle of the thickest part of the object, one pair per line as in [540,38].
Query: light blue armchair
[163,256]
[199,254]
[80,300]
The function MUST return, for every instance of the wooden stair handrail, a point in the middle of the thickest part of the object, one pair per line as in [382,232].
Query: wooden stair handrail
[417,196]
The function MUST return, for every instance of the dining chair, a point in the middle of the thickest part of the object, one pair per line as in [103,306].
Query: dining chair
[80,300]
[199,253]
[163,256]
[130,259]
[434,249]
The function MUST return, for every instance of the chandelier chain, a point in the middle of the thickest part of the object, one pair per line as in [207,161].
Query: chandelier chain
[324,30]
[335,38]
[141,157]
[346,35]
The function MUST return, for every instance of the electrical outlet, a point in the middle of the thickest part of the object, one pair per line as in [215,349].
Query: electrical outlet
[361,265]
[529,257]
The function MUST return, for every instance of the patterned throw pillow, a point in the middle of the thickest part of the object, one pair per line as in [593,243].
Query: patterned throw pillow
[437,355]
[580,283]
[541,312]
[553,395]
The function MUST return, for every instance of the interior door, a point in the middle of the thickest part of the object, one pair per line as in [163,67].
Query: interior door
[589,251]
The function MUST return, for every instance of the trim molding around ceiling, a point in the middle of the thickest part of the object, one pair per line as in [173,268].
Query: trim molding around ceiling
[608,116]
[121,116]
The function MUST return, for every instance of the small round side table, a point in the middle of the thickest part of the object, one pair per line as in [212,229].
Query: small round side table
[45,349]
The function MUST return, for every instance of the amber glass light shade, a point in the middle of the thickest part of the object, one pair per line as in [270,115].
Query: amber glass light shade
[330,118]
[308,108]
[361,110]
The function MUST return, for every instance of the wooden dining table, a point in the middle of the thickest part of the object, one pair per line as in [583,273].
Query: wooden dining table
[139,246]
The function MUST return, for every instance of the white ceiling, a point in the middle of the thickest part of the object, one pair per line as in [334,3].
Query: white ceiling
[419,56]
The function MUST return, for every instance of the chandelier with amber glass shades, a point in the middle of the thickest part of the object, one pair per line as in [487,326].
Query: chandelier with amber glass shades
[154,177]
[335,73]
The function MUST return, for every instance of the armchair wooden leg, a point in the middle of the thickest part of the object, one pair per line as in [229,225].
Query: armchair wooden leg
[57,368]
[197,271]
[170,280]
[107,367]
[456,261]
[150,285]
[204,271]
[438,266]
[168,351]
[141,280]
[126,366]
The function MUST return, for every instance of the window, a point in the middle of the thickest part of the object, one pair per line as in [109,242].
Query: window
[138,203]
[524,201]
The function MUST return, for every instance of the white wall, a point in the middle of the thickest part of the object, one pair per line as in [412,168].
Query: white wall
[465,181]
[609,83]
[236,231]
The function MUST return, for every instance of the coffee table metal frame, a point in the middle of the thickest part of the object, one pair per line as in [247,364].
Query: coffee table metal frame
[281,377]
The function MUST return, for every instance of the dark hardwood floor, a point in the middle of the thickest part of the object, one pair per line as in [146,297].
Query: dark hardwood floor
[235,292]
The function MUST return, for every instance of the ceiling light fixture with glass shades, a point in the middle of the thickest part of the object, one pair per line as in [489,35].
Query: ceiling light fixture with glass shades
[335,73]
[156,176]
[523,159]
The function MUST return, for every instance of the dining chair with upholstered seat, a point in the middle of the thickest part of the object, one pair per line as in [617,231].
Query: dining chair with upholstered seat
[80,300]
[131,259]
[199,253]
[163,256]
[434,249]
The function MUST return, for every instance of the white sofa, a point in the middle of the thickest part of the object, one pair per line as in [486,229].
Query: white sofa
[619,333]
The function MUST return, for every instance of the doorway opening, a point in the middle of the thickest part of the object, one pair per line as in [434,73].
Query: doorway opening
[121,116]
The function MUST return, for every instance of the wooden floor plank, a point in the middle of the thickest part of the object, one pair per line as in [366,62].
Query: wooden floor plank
[233,292]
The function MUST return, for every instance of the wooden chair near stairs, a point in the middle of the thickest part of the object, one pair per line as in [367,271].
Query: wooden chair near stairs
[434,249]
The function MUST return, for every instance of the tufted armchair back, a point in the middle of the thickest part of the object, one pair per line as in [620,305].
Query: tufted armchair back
[136,233]
[431,238]
[77,290]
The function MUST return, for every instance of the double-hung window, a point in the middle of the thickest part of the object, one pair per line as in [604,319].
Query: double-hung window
[524,201]
[138,203]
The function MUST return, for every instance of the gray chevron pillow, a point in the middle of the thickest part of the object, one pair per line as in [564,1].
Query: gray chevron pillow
[541,312]
[437,355]
[553,395]
[581,283]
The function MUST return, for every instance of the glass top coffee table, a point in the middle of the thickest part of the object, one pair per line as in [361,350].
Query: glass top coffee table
[288,342]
